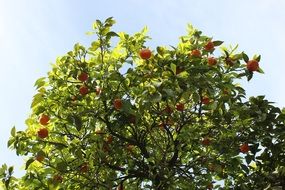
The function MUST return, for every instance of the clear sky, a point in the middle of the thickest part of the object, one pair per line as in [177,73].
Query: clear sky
[33,33]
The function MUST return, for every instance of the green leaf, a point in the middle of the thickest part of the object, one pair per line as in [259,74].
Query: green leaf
[226,53]
[249,75]
[95,45]
[40,82]
[195,97]
[3,168]
[10,142]
[39,109]
[76,47]
[260,70]
[245,168]
[248,158]
[169,92]
[144,30]
[7,183]
[173,67]
[78,153]
[213,106]
[70,53]
[233,49]
[10,170]
[61,166]
[77,122]
[257,57]
[97,24]
[156,97]
[110,21]
[160,50]
[254,148]
[29,162]
[127,106]
[41,153]
[116,76]
[89,33]
[245,57]
[37,99]
[183,75]
[112,34]
[218,43]
[237,56]
[156,83]
[13,131]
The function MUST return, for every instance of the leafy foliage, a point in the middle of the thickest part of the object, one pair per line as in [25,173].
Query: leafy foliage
[168,121]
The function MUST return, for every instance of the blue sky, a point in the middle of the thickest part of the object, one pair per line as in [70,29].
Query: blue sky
[33,33]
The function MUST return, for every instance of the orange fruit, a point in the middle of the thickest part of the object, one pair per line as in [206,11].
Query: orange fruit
[210,186]
[168,110]
[205,100]
[43,133]
[212,61]
[118,104]
[196,53]
[109,139]
[132,119]
[244,148]
[180,106]
[83,77]
[162,126]
[84,168]
[145,53]
[83,90]
[130,147]
[206,141]
[44,119]
[209,46]
[179,70]
[57,179]
[106,147]
[40,157]
[252,65]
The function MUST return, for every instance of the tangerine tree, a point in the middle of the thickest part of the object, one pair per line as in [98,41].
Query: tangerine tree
[119,115]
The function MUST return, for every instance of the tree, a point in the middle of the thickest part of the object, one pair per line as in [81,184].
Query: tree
[120,115]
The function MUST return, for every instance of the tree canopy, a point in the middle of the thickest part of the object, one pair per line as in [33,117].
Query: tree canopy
[120,115]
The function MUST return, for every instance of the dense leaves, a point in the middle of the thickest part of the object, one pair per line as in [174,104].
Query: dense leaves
[121,116]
